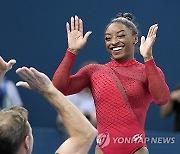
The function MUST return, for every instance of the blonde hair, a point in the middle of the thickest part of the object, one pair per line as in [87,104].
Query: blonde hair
[13,128]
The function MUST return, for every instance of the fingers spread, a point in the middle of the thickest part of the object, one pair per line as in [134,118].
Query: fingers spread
[76,24]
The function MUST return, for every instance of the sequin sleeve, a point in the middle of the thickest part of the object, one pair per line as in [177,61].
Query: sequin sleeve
[67,83]
[156,83]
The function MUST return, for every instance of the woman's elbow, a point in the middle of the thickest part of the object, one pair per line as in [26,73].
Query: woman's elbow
[162,101]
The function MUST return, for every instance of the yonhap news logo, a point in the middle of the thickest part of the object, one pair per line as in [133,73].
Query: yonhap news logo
[104,139]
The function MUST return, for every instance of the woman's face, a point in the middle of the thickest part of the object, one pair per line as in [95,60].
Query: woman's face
[120,42]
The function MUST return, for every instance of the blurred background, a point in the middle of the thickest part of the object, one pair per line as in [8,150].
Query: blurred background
[33,32]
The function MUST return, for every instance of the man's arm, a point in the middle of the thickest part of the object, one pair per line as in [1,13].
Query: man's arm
[82,133]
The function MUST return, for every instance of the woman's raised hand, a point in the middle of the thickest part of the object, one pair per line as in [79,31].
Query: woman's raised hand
[147,43]
[76,40]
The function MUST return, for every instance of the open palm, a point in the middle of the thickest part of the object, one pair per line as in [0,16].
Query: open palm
[33,79]
[76,40]
[147,43]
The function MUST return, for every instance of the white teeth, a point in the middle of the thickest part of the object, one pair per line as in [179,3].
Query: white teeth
[118,48]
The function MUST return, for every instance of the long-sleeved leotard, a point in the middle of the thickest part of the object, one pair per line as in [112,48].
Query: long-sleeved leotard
[120,121]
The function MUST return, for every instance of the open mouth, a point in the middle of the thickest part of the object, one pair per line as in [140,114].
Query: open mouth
[116,49]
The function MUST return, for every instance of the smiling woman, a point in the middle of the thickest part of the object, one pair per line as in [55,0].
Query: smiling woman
[122,89]
[120,37]
[120,44]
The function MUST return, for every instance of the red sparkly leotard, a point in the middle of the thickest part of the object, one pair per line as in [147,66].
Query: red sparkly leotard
[122,93]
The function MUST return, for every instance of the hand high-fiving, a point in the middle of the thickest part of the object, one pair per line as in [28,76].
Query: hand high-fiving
[34,80]
[147,43]
[76,40]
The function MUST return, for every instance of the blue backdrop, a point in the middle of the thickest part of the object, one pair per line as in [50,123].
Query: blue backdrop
[33,32]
